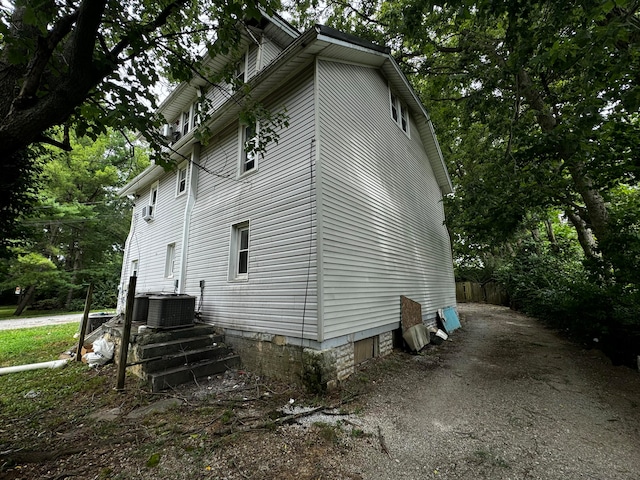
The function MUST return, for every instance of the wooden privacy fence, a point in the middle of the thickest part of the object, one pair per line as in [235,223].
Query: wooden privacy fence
[489,292]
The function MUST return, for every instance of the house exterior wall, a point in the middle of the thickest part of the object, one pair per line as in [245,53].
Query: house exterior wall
[148,240]
[278,201]
[381,231]
[270,51]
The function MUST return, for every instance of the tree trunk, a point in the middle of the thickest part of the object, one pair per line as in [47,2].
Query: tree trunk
[551,235]
[26,300]
[593,200]
[587,242]
[74,277]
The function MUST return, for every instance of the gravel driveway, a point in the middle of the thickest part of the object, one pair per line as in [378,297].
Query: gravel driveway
[506,399]
[30,322]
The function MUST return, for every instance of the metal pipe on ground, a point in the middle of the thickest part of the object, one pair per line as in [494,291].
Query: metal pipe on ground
[34,366]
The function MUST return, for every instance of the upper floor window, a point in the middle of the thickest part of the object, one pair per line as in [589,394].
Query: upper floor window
[149,211]
[153,195]
[239,74]
[181,186]
[186,121]
[249,141]
[399,113]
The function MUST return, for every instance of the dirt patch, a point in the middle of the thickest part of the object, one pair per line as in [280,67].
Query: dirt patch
[505,398]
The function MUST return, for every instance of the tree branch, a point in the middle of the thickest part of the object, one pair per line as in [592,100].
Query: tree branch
[159,21]
[40,60]
[358,13]
[66,146]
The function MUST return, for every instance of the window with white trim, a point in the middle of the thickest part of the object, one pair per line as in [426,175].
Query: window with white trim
[186,121]
[181,179]
[170,262]
[239,74]
[239,252]
[151,209]
[399,113]
[134,268]
[248,155]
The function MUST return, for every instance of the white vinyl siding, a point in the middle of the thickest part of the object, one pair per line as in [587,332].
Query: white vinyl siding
[252,58]
[382,232]
[279,295]
[270,51]
[147,242]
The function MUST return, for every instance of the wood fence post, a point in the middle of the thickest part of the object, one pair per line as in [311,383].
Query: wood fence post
[126,333]
[83,324]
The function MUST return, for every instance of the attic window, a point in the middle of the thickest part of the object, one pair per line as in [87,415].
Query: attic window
[399,113]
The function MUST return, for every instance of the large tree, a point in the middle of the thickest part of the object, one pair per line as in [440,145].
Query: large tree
[92,64]
[536,104]
[79,223]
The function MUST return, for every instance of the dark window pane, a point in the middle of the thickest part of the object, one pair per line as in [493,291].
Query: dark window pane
[242,262]
[249,164]
[244,239]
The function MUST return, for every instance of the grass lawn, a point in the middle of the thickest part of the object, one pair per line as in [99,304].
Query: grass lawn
[32,345]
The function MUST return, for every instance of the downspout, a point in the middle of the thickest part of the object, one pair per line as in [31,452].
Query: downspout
[186,223]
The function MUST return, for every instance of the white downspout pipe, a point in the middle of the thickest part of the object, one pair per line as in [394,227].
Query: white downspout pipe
[188,209]
[34,366]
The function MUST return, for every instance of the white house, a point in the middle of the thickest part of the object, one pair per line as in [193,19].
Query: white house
[300,255]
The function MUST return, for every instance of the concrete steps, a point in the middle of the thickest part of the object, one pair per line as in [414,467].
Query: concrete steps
[168,358]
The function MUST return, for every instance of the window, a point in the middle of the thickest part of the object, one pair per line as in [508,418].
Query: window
[170,260]
[399,113]
[248,157]
[186,122]
[239,252]
[134,268]
[153,196]
[181,186]
[239,76]
[149,212]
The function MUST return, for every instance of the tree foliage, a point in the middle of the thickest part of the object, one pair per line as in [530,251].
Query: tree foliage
[79,223]
[535,104]
[92,65]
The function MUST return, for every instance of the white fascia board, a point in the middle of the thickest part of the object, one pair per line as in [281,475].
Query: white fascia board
[281,23]
[146,177]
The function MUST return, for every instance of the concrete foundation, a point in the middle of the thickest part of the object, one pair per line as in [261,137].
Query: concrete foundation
[317,370]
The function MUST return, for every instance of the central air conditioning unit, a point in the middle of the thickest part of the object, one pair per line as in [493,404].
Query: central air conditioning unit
[147,213]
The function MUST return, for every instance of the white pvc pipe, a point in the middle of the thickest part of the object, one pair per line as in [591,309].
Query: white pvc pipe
[34,366]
